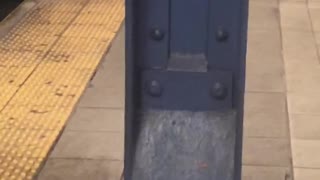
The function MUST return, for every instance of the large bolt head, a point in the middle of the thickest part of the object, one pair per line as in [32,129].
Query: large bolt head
[154,88]
[219,91]
[222,35]
[157,34]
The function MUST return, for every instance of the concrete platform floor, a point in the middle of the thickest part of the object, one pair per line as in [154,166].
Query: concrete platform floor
[282,119]
[92,144]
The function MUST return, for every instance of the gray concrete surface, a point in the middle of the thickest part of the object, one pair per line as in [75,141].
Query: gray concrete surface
[16,16]
[91,146]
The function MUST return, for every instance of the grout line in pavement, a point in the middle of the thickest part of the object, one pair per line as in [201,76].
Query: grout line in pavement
[265,165]
[85,159]
[265,92]
[286,97]
[313,168]
[94,131]
[100,108]
[264,137]
[313,31]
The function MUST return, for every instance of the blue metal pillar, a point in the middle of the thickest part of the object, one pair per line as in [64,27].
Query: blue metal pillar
[185,77]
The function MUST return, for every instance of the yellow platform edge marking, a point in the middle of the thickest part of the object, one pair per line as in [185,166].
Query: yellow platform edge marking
[46,61]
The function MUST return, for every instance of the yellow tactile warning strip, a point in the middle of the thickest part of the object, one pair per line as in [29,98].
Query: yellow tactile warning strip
[46,61]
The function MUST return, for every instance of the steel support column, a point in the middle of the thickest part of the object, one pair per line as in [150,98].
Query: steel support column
[185,77]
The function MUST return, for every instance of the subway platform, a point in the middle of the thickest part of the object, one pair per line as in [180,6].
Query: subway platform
[62,92]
